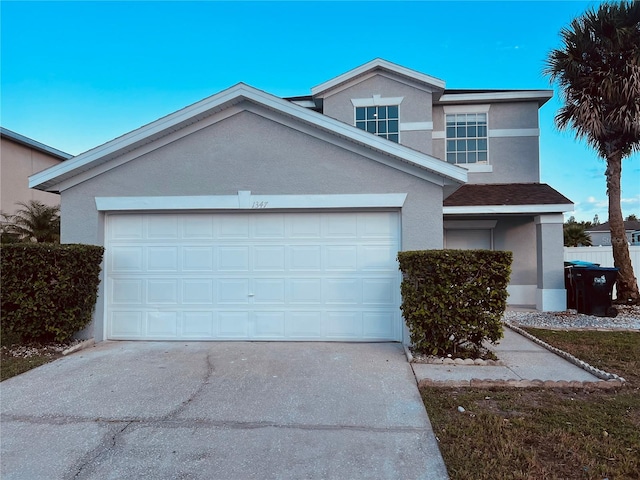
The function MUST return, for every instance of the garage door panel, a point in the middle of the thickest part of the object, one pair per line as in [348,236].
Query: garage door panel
[269,276]
[233,291]
[268,259]
[233,259]
[126,292]
[377,325]
[304,325]
[197,291]
[347,325]
[162,291]
[162,324]
[198,259]
[304,258]
[378,291]
[341,291]
[341,258]
[233,325]
[197,227]
[269,291]
[377,257]
[126,324]
[198,325]
[126,259]
[269,325]
[162,227]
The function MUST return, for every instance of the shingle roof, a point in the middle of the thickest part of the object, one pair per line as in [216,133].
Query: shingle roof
[505,194]
[630,225]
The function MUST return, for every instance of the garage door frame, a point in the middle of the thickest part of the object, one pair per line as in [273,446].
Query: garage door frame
[244,202]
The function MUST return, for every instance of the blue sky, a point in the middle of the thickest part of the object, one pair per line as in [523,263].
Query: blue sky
[77,74]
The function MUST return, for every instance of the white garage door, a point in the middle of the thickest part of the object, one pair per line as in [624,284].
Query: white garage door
[260,276]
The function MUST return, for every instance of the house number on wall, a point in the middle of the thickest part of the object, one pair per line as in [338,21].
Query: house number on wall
[259,204]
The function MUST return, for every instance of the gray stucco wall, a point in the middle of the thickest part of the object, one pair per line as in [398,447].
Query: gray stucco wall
[518,235]
[249,152]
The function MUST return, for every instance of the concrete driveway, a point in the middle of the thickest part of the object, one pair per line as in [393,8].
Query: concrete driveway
[244,410]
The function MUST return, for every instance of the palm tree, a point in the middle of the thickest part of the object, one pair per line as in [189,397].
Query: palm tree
[598,72]
[575,236]
[35,222]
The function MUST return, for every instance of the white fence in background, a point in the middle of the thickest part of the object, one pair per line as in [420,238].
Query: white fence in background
[603,256]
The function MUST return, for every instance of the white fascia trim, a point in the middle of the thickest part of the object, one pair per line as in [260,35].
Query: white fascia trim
[469,224]
[377,63]
[554,218]
[235,95]
[304,103]
[500,132]
[491,209]
[543,95]
[416,126]
[376,100]
[246,201]
[466,108]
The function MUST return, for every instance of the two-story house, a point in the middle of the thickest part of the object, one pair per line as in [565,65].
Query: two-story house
[248,216]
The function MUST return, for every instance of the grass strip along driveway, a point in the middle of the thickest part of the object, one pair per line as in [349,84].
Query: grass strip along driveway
[508,433]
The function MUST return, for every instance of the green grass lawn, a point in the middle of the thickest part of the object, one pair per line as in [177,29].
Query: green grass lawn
[546,434]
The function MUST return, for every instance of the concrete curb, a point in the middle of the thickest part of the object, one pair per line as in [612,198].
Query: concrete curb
[601,374]
[79,346]
[514,383]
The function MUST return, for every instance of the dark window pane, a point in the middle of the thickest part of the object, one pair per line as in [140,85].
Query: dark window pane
[482,144]
[471,131]
[393,125]
[360,125]
[482,131]
[382,126]
[461,132]
[451,132]
[471,145]
[462,157]
[461,145]
[371,113]
[382,113]
[472,157]
[451,145]
[392,111]
[482,156]
[394,137]
[451,157]
[360,113]
[371,127]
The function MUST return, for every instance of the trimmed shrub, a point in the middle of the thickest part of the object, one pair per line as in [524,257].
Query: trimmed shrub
[453,300]
[49,291]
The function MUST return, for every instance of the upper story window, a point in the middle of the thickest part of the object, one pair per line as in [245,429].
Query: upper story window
[381,120]
[467,138]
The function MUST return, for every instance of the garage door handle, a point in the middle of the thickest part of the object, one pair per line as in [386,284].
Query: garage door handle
[252,295]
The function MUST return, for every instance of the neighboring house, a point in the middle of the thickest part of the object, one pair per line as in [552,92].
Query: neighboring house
[248,216]
[601,234]
[21,157]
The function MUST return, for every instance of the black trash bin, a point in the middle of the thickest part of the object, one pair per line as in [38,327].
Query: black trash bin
[569,282]
[593,290]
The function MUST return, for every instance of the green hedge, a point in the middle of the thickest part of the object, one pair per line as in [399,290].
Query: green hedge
[453,300]
[49,291]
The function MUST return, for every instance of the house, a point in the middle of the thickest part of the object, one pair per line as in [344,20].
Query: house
[248,216]
[601,235]
[20,157]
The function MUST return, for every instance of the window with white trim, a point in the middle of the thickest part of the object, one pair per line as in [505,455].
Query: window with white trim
[381,120]
[467,138]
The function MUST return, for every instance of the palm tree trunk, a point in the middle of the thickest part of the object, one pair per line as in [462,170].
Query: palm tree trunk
[627,286]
